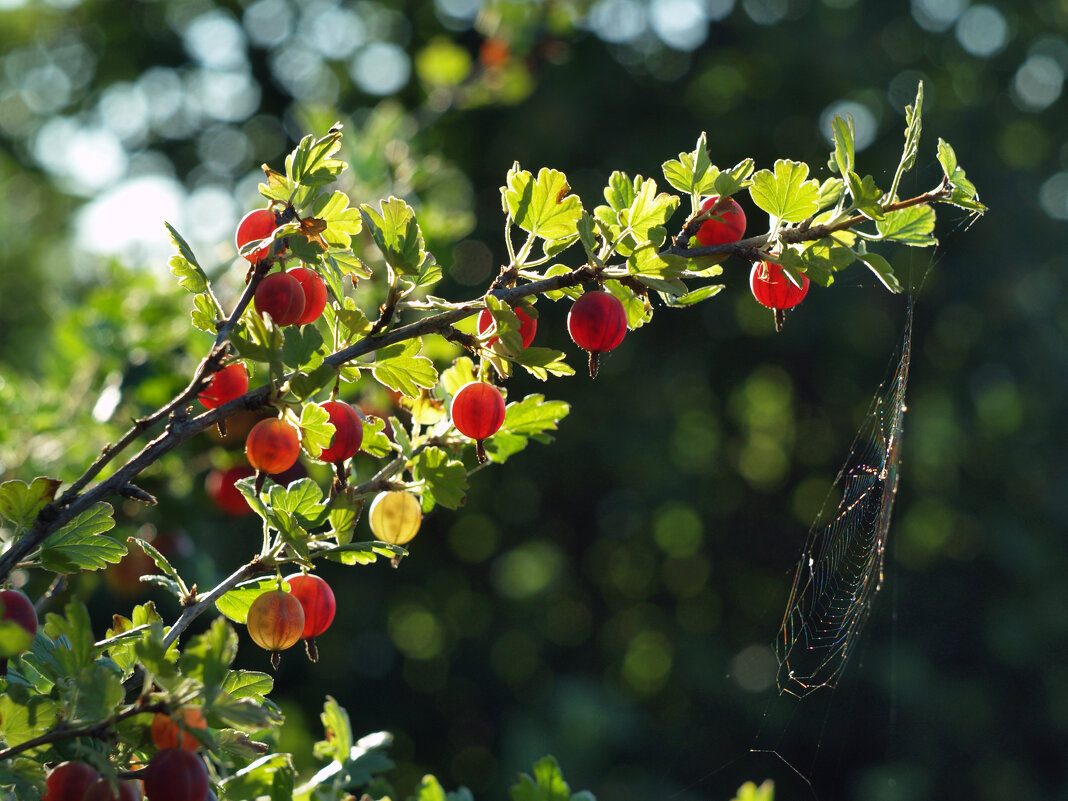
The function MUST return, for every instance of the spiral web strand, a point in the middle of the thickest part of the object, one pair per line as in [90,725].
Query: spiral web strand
[841,566]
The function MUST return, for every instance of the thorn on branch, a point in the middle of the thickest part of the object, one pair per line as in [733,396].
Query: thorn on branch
[134,492]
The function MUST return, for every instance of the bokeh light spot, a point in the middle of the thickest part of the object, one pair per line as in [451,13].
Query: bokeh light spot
[982,31]
[753,668]
[1037,83]
[381,68]
[618,21]
[864,122]
[678,530]
[937,15]
[680,24]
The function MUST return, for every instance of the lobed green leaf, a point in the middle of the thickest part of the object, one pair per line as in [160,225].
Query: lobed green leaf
[541,206]
[81,544]
[786,194]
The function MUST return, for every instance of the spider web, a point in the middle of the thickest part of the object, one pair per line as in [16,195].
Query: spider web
[841,566]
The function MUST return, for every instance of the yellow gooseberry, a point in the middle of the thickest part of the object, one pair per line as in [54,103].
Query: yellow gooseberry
[395,516]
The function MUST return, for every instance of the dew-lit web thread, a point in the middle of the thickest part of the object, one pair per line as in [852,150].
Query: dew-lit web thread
[841,566]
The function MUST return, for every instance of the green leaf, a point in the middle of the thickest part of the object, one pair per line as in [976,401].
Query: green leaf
[695,296]
[301,344]
[543,362]
[161,563]
[342,221]
[649,210]
[97,693]
[882,269]
[395,231]
[235,603]
[81,545]
[304,385]
[260,779]
[21,502]
[24,774]
[911,226]
[638,310]
[303,497]
[343,516]
[913,127]
[786,194]
[844,136]
[830,192]
[573,292]
[316,430]
[310,163]
[190,274]
[866,196]
[964,193]
[25,715]
[278,186]
[750,792]
[648,262]
[204,314]
[821,259]
[75,650]
[542,206]
[399,368]
[347,263]
[692,172]
[338,742]
[534,415]
[735,179]
[208,656]
[430,789]
[375,443]
[248,684]
[446,479]
[547,783]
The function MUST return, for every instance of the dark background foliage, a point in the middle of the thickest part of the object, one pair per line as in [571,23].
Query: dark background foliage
[609,598]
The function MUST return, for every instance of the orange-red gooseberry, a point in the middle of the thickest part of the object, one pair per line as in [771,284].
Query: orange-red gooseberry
[168,733]
[272,446]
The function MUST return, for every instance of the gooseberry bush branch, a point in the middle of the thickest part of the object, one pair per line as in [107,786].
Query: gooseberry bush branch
[68,694]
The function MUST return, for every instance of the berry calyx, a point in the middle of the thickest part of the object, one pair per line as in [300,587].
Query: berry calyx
[275,622]
[175,774]
[169,733]
[18,609]
[69,780]
[281,296]
[220,488]
[224,385]
[597,323]
[348,432]
[257,224]
[528,326]
[395,516]
[103,790]
[477,411]
[314,288]
[727,223]
[272,446]
[317,600]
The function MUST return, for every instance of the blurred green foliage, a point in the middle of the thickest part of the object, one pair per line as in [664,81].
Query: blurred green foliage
[609,598]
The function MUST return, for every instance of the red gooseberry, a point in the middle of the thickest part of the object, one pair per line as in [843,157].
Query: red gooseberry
[224,385]
[314,288]
[220,488]
[317,600]
[275,621]
[528,326]
[280,295]
[175,774]
[348,432]
[597,323]
[727,223]
[257,224]
[103,790]
[477,411]
[69,780]
[772,287]
[19,610]
[168,733]
[272,446]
